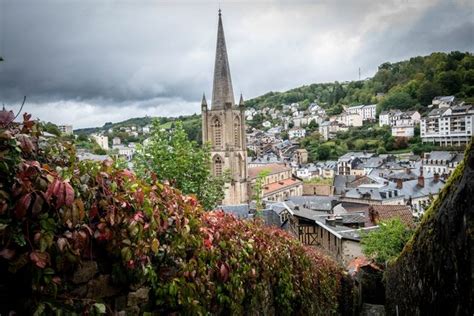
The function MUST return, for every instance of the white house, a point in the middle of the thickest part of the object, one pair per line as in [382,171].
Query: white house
[366,111]
[403,131]
[102,140]
[296,132]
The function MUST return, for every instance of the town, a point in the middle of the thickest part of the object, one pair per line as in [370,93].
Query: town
[341,198]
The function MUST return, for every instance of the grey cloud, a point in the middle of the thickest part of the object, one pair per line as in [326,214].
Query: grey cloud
[157,56]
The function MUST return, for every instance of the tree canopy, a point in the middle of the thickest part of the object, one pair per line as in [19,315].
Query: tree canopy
[168,155]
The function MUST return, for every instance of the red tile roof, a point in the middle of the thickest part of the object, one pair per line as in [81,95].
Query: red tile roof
[385,212]
[276,186]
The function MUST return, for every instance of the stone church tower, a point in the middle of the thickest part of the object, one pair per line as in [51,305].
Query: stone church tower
[223,126]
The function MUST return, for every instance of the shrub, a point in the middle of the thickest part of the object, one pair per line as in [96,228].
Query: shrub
[56,212]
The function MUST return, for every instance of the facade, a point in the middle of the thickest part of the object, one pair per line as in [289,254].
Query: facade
[399,118]
[448,126]
[296,132]
[102,141]
[350,119]
[441,162]
[65,129]
[278,183]
[301,156]
[223,127]
[367,112]
[328,129]
[406,131]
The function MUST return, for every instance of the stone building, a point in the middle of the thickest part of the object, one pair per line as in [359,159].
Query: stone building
[223,127]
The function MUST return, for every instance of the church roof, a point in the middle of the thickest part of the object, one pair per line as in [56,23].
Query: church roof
[222,91]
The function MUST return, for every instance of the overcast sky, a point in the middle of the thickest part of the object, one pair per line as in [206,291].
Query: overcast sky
[89,62]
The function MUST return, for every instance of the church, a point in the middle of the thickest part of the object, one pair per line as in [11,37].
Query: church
[223,127]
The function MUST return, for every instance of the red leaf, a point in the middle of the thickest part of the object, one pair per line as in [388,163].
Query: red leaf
[37,204]
[22,206]
[62,243]
[6,117]
[41,259]
[94,211]
[7,253]
[224,272]
[68,194]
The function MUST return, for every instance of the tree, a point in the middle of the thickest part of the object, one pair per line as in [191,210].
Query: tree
[397,100]
[427,91]
[324,152]
[171,156]
[258,190]
[387,241]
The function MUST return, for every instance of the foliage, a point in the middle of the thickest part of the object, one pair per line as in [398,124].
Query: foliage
[258,189]
[387,241]
[56,211]
[170,156]
[407,84]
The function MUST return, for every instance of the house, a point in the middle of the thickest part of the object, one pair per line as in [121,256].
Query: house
[328,129]
[301,156]
[406,131]
[116,141]
[367,112]
[350,119]
[350,161]
[443,101]
[278,183]
[396,117]
[102,141]
[267,124]
[296,132]
[418,194]
[448,126]
[65,129]
[124,151]
[441,162]
[374,195]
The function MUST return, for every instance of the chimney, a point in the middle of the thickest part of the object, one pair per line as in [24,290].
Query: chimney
[399,184]
[421,179]
[331,221]
[436,177]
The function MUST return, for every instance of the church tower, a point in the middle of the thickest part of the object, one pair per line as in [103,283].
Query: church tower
[223,126]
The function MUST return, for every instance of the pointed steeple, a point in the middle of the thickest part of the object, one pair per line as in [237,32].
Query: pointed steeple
[222,92]
[204,102]
[241,102]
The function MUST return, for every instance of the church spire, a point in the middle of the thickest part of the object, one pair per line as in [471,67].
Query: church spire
[222,88]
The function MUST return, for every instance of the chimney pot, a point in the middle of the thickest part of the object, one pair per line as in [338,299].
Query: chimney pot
[399,183]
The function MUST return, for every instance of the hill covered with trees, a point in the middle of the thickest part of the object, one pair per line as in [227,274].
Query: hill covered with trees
[406,84]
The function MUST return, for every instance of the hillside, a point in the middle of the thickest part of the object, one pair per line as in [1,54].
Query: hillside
[406,84]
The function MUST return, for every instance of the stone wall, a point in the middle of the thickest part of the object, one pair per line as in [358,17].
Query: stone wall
[317,189]
[434,273]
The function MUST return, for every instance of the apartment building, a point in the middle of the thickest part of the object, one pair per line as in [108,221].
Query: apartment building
[448,126]
[367,112]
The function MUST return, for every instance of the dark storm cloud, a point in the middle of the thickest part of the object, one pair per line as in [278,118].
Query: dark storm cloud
[87,62]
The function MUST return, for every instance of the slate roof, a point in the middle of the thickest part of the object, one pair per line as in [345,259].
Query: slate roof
[238,210]
[375,194]
[412,189]
[318,203]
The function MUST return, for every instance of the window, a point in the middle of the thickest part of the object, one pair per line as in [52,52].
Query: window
[218,166]
[237,131]
[217,132]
